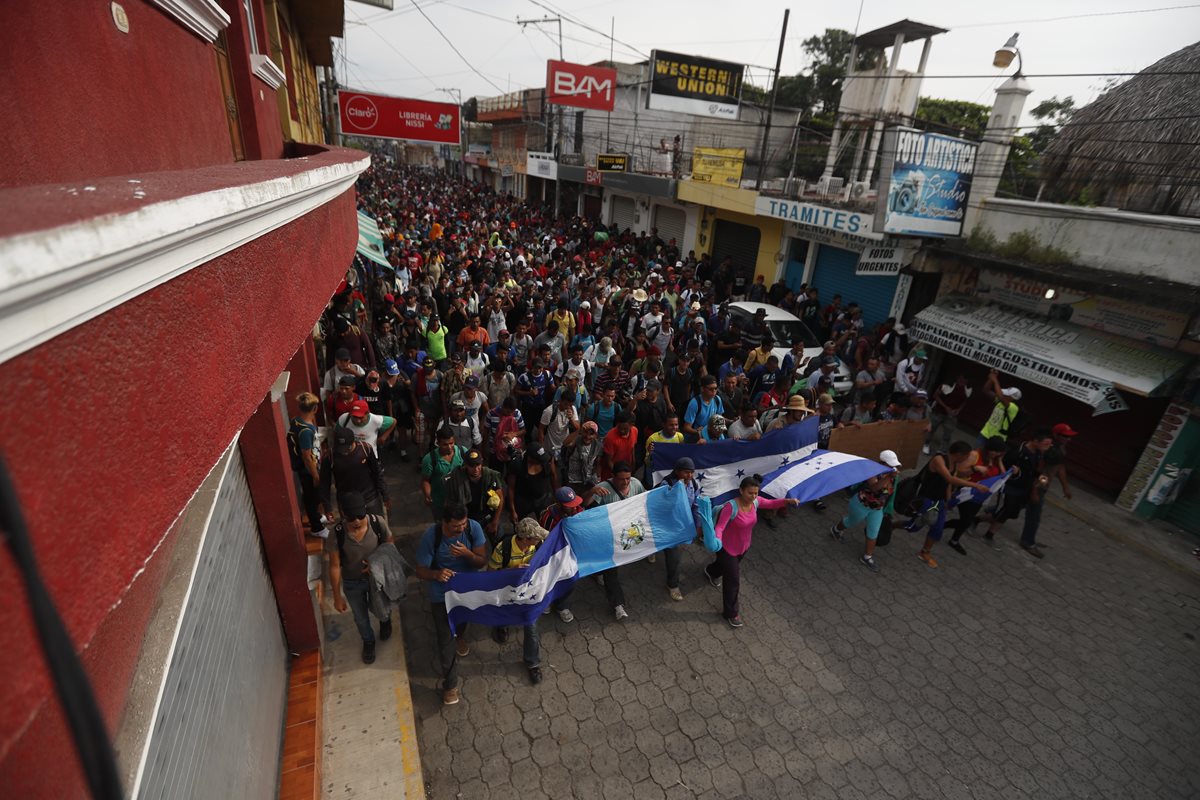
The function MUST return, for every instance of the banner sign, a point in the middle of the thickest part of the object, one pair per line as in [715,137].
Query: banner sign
[1086,365]
[612,162]
[719,165]
[1159,326]
[592,176]
[580,86]
[882,261]
[541,165]
[382,117]
[834,219]
[694,85]
[924,181]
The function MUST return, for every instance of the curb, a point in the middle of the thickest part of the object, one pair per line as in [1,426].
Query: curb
[410,752]
[1111,531]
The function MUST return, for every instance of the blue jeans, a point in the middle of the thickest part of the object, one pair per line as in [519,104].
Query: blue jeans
[1033,519]
[939,523]
[532,647]
[358,595]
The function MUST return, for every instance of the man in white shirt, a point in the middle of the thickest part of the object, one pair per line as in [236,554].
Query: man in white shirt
[909,373]
[341,367]
[559,420]
[370,429]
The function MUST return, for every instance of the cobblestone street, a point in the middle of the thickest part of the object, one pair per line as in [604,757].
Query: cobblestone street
[996,675]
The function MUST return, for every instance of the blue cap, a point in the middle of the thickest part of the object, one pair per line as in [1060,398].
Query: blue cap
[391,366]
[566,496]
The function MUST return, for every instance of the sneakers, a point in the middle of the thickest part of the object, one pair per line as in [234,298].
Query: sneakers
[404,455]
[870,563]
[713,581]
[956,547]
[835,534]
[925,449]
[385,630]
[1034,551]
[368,654]
[675,593]
[500,635]
[462,648]
[735,622]
[818,505]
[450,696]
[321,534]
[620,613]
[928,559]
[565,615]
[535,675]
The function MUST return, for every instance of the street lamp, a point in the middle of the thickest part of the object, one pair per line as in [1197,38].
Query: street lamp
[1005,54]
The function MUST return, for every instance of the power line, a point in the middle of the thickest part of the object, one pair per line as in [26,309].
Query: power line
[1074,16]
[394,49]
[576,21]
[452,47]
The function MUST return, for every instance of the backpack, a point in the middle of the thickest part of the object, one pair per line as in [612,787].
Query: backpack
[293,444]
[500,443]
[340,532]
[908,489]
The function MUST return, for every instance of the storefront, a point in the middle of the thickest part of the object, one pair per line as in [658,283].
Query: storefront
[626,199]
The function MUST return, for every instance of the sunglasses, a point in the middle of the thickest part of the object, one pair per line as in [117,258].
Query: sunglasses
[358,518]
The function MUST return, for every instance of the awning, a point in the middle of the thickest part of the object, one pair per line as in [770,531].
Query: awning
[1087,365]
[370,240]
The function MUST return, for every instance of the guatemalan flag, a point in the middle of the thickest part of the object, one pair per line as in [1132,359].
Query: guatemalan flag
[787,459]
[589,542]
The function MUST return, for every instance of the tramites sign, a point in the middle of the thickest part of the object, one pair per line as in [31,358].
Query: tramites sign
[694,85]
[924,183]
[382,117]
[581,86]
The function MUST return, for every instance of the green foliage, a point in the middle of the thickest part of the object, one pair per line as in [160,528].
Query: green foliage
[1019,246]
[953,115]
[829,55]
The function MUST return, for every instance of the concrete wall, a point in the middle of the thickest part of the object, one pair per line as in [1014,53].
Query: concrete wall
[1104,238]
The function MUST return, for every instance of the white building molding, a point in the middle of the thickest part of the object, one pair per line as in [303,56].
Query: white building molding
[56,279]
[205,18]
[267,70]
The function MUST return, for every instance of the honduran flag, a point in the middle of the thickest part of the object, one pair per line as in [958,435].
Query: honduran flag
[819,474]
[721,465]
[965,494]
[513,596]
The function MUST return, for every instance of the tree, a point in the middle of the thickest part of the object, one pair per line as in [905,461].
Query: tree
[830,54]
[953,116]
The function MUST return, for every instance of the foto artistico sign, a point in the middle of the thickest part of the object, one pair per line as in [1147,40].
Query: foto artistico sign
[612,162]
[382,117]
[924,183]
[581,86]
[719,165]
[694,85]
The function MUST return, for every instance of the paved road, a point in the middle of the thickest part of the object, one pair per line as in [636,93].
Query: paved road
[993,676]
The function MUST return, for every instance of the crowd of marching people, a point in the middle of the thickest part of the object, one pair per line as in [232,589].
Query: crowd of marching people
[527,366]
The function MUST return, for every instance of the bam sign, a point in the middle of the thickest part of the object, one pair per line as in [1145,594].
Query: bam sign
[581,86]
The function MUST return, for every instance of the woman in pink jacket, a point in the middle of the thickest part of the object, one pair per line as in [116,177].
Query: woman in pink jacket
[735,525]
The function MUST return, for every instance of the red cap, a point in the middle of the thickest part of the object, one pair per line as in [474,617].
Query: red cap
[359,408]
[1063,429]
[389,298]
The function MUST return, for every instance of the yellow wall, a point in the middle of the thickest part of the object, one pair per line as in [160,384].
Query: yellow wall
[734,205]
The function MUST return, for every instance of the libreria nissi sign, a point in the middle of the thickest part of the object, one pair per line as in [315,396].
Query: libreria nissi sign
[925,182]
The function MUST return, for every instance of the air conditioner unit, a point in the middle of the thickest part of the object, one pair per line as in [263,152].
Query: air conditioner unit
[822,185]
[833,187]
[858,190]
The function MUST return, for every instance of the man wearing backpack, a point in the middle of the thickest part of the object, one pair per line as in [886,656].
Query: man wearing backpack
[934,485]
[515,552]
[481,490]
[353,468]
[357,536]
[305,455]
[455,544]
[1004,413]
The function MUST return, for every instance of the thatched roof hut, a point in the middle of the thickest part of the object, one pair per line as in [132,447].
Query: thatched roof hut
[1137,147]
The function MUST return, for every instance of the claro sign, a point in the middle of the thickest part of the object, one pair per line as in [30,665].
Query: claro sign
[580,86]
[383,117]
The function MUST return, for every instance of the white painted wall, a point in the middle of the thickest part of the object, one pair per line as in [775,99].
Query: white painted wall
[1104,238]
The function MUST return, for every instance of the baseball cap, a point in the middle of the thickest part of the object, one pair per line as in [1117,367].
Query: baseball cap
[473,457]
[428,362]
[921,354]
[829,361]
[541,454]
[890,458]
[528,528]
[359,408]
[591,426]
[391,366]
[352,504]
[900,329]
[1063,429]
[471,381]
[346,380]
[1011,392]
[921,393]
[684,463]
[566,497]
[343,437]
[458,404]
[341,354]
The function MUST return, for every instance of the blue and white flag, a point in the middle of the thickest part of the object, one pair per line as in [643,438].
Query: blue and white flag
[513,596]
[818,475]
[720,466]
[965,494]
[631,529]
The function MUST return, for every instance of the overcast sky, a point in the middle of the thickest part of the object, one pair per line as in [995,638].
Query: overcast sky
[400,52]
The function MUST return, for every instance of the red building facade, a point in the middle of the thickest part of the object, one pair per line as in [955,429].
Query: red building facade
[164,255]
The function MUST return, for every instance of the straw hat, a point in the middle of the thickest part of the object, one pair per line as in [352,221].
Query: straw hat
[640,295]
[796,403]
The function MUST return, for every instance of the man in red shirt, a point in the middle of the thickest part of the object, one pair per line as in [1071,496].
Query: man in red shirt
[620,444]
[340,401]
[473,333]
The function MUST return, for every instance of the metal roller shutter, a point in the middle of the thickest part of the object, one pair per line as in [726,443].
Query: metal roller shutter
[624,214]
[671,223]
[217,731]
[736,240]
[834,274]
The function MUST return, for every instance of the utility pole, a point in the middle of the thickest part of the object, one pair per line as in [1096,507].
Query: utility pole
[559,115]
[462,129]
[762,153]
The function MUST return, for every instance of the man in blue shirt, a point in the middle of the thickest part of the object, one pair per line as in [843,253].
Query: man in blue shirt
[701,409]
[455,544]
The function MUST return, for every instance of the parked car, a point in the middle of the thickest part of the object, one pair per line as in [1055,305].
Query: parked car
[785,330]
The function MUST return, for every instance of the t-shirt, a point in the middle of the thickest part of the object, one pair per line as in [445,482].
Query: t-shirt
[354,553]
[473,404]
[658,437]
[538,383]
[739,431]
[635,487]
[558,424]
[437,469]
[435,341]
[825,425]
[516,556]
[368,432]
[679,387]
[619,448]
[305,436]
[700,412]
[604,417]
[472,538]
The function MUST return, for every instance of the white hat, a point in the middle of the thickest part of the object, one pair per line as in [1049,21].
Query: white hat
[890,458]
[900,329]
[1011,392]
[585,304]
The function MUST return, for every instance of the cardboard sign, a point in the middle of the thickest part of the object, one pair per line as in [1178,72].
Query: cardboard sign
[904,437]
